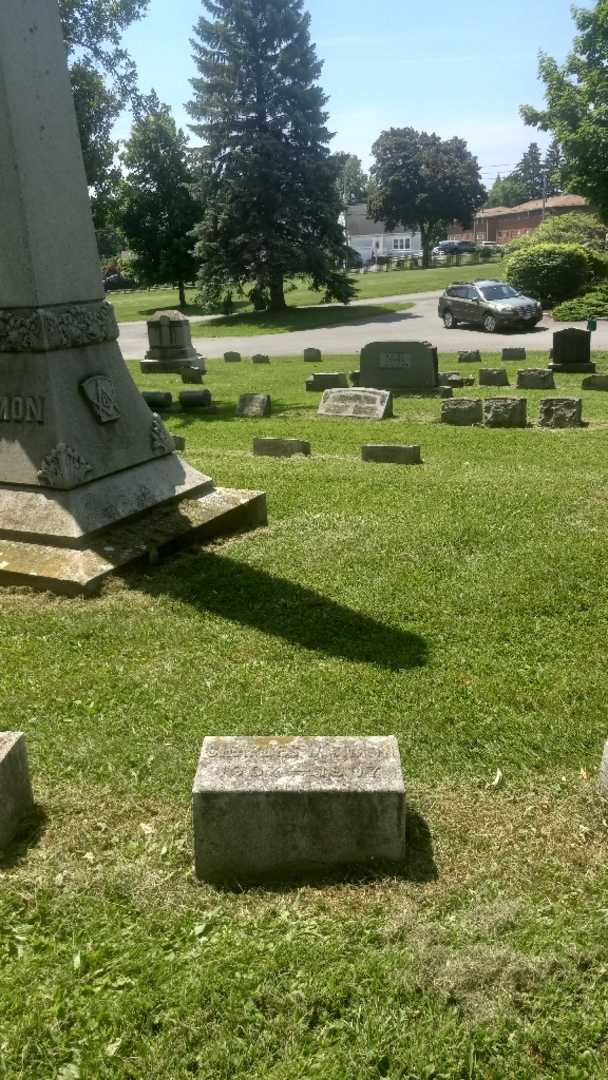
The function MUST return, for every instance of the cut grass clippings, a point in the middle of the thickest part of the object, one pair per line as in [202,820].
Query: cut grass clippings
[460,605]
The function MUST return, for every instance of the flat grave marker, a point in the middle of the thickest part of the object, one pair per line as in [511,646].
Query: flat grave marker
[357,404]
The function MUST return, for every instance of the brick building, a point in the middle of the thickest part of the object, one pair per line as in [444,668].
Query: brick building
[504,223]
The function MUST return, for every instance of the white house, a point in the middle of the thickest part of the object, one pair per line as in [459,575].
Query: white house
[370,238]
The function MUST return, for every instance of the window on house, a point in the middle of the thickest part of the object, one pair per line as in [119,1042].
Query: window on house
[401,244]
[408,243]
[395,243]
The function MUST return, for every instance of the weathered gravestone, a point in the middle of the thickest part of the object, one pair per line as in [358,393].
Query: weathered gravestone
[493,377]
[254,405]
[193,375]
[80,452]
[560,412]
[514,354]
[275,808]
[504,412]
[312,356]
[16,798]
[171,348]
[280,447]
[595,382]
[404,367]
[469,356]
[195,399]
[179,442]
[455,380]
[571,351]
[260,358]
[391,453]
[357,404]
[232,357]
[326,380]
[535,379]
[462,412]
[158,400]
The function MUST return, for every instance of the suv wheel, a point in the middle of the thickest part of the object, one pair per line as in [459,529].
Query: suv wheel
[448,320]
[489,323]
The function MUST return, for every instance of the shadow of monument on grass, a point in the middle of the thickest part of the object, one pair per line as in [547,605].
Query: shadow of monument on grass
[29,835]
[252,597]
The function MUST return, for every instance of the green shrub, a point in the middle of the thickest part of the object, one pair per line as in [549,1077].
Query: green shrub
[594,303]
[554,272]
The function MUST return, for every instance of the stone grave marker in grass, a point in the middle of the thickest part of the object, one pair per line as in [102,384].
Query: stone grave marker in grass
[514,354]
[269,447]
[571,351]
[260,358]
[357,404]
[391,453]
[312,356]
[326,380]
[158,400]
[535,379]
[403,367]
[595,382]
[277,808]
[493,377]
[170,345]
[232,357]
[469,356]
[560,412]
[195,399]
[462,412]
[254,405]
[505,412]
[16,798]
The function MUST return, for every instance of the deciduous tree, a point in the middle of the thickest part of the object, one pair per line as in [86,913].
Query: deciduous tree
[421,180]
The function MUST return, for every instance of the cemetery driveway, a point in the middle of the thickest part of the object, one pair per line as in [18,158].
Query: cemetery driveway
[419,322]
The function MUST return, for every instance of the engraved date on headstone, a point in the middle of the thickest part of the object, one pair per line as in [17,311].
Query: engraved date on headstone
[21,409]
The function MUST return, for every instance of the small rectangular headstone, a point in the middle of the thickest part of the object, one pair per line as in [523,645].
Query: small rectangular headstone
[16,797]
[469,356]
[326,380]
[158,399]
[232,357]
[595,382]
[400,366]
[514,354]
[560,412]
[505,412]
[312,356]
[193,375]
[260,358]
[391,453]
[254,405]
[275,808]
[462,412]
[535,379]
[359,404]
[280,447]
[195,399]
[571,349]
[179,442]
[493,377]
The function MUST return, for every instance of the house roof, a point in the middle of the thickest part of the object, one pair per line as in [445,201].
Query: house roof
[359,223]
[553,203]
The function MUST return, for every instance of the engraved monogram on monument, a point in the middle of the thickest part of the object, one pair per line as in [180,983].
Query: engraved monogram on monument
[64,468]
[100,393]
[162,440]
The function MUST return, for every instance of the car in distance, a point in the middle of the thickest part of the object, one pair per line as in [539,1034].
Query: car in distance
[490,304]
[455,247]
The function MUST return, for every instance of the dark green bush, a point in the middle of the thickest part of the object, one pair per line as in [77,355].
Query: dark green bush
[583,307]
[554,272]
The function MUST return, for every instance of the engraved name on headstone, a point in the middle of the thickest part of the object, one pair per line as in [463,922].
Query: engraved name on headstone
[402,366]
[362,404]
[18,409]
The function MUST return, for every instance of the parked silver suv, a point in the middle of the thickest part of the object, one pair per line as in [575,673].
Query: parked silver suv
[490,304]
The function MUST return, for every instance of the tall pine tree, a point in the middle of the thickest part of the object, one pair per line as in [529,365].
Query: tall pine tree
[268,182]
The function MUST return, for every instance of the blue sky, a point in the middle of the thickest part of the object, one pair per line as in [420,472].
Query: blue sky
[454,68]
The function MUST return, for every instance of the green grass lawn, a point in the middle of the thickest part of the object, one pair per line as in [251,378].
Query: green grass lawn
[140,304]
[460,605]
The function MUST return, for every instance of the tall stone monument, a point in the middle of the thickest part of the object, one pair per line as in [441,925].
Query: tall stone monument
[89,479]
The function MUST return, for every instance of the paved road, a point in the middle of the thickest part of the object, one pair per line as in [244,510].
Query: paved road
[420,322]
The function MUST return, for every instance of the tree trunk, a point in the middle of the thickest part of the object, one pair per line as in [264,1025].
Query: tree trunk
[182,294]
[425,236]
[277,294]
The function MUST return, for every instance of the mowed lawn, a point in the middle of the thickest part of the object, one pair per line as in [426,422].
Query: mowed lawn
[142,303]
[460,605]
